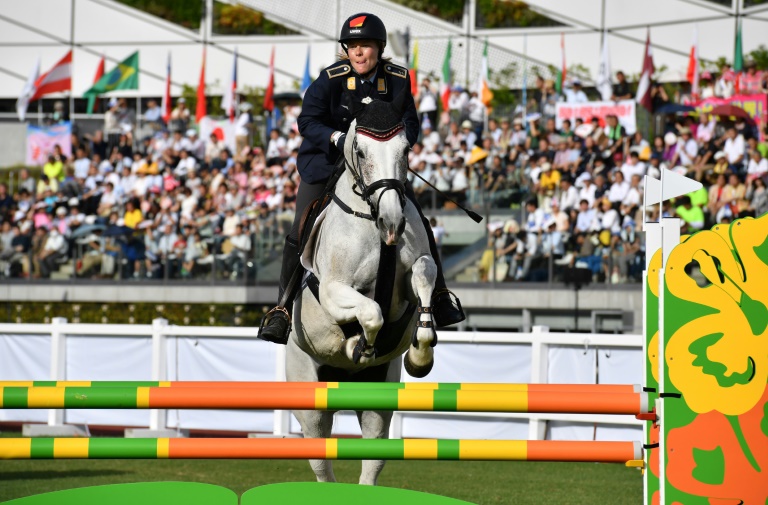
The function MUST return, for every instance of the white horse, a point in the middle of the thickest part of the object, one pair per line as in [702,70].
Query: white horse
[369,208]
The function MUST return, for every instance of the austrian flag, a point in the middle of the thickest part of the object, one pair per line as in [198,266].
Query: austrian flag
[56,80]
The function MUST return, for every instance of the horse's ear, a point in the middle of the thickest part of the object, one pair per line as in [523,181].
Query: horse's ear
[399,101]
[353,105]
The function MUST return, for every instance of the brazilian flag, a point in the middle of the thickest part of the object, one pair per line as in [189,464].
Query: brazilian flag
[124,76]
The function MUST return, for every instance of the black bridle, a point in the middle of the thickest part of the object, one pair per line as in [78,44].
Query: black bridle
[366,191]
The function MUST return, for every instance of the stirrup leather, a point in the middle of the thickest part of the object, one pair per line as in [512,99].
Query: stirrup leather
[421,309]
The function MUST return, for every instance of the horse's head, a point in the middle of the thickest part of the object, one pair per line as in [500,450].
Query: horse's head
[377,152]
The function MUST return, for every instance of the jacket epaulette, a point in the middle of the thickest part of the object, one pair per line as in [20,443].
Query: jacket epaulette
[338,71]
[396,70]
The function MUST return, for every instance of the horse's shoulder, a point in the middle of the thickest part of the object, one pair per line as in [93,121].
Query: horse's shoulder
[338,69]
[396,70]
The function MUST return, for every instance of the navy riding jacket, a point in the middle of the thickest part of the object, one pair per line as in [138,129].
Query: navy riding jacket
[322,113]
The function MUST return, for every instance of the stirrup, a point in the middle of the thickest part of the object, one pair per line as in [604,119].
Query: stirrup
[458,315]
[421,309]
[268,316]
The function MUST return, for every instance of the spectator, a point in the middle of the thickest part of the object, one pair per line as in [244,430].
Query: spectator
[244,126]
[575,94]
[154,115]
[621,90]
[734,149]
[179,116]
[54,249]
[427,103]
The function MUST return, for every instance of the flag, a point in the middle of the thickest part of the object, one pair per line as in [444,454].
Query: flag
[643,96]
[484,92]
[28,91]
[228,99]
[201,110]
[307,80]
[562,73]
[604,85]
[56,80]
[166,104]
[124,76]
[738,59]
[693,64]
[269,93]
[92,101]
[445,86]
[414,68]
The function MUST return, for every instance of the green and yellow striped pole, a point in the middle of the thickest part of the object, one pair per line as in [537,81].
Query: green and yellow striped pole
[318,448]
[446,400]
[464,386]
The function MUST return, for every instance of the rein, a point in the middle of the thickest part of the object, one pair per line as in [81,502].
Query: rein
[367,190]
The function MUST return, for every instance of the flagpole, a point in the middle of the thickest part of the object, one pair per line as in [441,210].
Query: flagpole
[525,81]
[72,48]
[40,112]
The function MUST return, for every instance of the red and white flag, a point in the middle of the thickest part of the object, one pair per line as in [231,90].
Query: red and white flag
[269,93]
[228,99]
[643,96]
[166,104]
[202,110]
[693,64]
[56,80]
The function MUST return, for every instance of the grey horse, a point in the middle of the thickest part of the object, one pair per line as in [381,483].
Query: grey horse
[343,255]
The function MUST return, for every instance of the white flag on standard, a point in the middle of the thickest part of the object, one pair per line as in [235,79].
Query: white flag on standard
[604,85]
[28,91]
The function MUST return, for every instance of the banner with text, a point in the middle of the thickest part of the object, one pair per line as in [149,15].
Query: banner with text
[754,105]
[41,139]
[624,110]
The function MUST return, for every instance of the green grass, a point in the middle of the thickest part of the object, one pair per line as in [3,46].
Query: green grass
[479,482]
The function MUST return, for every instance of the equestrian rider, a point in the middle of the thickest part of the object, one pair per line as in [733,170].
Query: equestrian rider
[323,123]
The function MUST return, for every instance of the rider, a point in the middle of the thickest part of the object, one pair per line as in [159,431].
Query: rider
[323,123]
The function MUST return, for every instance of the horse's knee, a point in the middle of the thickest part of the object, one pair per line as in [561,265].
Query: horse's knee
[370,317]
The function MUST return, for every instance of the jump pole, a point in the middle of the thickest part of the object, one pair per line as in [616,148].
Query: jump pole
[319,448]
[322,399]
[463,386]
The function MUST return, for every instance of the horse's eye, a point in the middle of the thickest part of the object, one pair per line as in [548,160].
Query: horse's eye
[360,153]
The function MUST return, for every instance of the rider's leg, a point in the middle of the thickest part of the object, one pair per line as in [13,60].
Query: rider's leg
[445,309]
[277,324]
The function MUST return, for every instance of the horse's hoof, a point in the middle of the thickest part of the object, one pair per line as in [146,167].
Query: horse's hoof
[417,371]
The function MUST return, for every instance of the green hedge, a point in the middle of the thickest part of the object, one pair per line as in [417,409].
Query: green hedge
[134,313]
[490,13]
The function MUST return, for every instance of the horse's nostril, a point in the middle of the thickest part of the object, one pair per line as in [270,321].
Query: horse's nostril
[380,223]
[401,226]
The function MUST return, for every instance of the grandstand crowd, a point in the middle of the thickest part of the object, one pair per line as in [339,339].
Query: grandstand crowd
[158,201]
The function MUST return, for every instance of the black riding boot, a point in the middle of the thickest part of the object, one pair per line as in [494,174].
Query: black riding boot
[446,307]
[276,325]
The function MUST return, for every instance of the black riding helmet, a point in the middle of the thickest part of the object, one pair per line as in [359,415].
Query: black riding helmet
[363,26]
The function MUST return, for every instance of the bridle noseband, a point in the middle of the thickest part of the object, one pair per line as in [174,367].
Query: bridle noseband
[367,190]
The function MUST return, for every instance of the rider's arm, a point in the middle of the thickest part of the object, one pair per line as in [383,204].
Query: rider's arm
[315,111]
[410,116]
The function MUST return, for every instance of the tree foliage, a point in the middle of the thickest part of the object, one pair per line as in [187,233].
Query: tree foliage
[490,13]
[227,19]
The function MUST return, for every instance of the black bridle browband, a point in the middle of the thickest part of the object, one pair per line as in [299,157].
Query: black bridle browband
[366,191]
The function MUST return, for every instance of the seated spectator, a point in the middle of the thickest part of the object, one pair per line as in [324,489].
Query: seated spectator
[757,195]
[179,116]
[757,167]
[692,216]
[55,248]
[619,188]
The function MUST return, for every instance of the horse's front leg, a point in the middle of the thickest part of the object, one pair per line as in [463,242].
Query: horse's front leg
[419,358]
[345,304]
